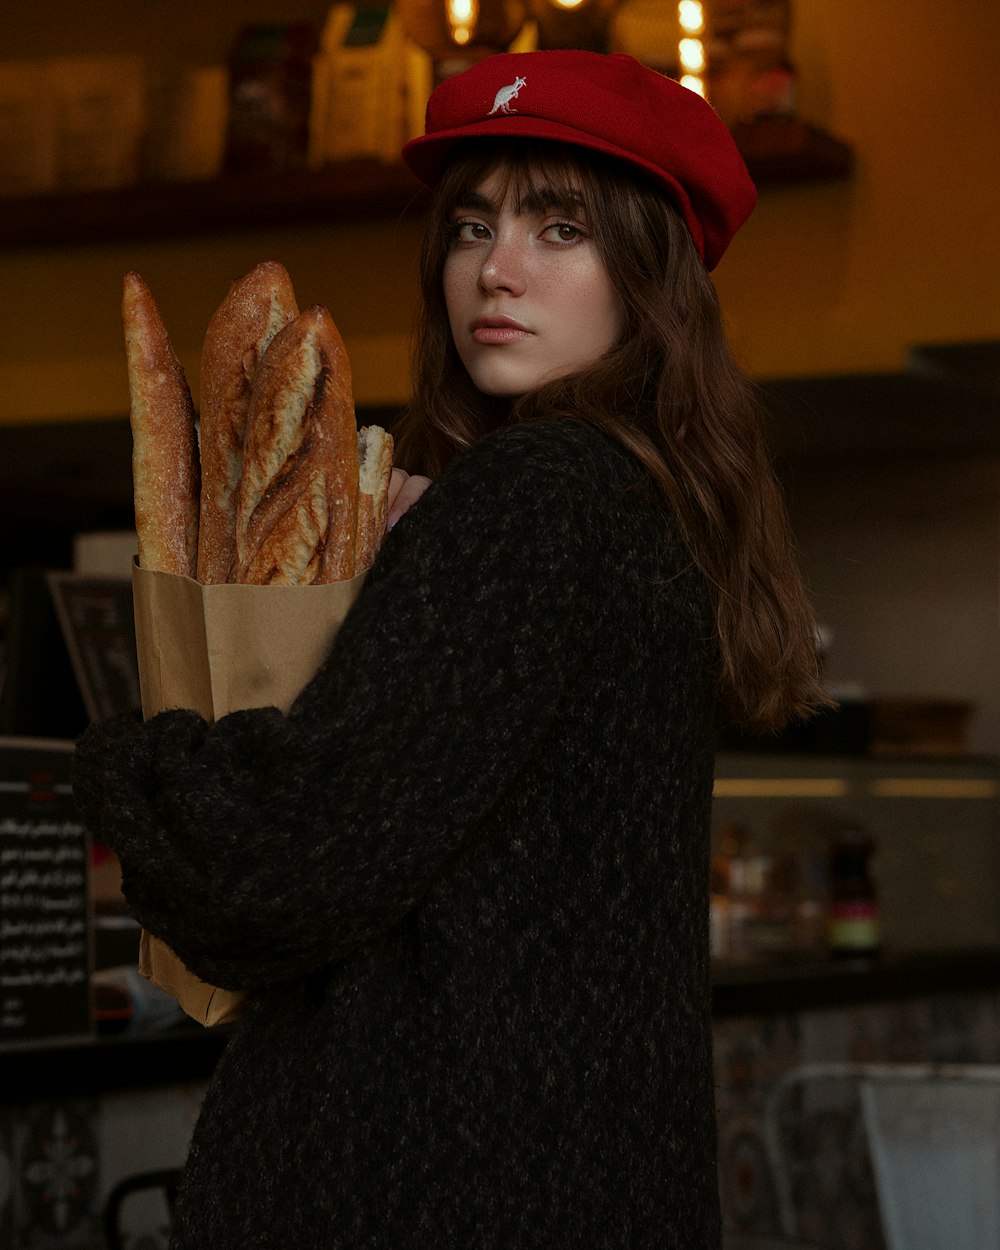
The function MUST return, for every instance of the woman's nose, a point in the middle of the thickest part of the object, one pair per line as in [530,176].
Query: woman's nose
[503,267]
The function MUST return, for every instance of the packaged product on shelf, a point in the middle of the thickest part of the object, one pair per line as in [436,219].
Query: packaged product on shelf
[100,120]
[370,86]
[27,129]
[188,115]
[750,71]
[739,881]
[647,30]
[853,917]
[270,71]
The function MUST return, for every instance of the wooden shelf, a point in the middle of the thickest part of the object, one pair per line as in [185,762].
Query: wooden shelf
[880,416]
[793,986]
[777,150]
[355,189]
[87,1067]
[785,150]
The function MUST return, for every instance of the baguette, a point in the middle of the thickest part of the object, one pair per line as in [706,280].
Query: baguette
[296,514]
[165,467]
[257,306]
[375,449]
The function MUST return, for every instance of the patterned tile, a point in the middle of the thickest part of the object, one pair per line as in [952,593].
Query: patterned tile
[56,1175]
[60,1160]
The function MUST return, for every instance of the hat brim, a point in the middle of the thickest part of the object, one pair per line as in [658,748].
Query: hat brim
[427,156]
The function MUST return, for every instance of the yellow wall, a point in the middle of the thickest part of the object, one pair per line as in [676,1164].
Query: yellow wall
[847,276]
[827,278]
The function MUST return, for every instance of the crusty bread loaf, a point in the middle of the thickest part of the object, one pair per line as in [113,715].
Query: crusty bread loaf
[257,306]
[165,469]
[375,449]
[297,508]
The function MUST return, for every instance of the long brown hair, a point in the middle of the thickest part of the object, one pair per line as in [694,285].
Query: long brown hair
[670,392]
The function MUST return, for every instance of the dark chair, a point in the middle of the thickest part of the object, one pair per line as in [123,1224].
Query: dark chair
[166,1180]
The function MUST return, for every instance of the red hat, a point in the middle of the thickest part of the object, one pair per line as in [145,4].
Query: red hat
[610,103]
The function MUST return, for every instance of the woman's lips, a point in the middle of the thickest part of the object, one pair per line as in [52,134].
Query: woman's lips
[492,330]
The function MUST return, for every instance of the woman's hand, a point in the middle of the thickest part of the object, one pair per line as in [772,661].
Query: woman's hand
[404,491]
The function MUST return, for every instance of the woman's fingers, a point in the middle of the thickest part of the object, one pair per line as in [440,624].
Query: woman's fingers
[404,491]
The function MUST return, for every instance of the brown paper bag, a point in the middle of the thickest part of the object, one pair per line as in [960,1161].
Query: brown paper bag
[218,649]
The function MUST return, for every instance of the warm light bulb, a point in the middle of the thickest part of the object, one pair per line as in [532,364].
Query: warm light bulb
[691,15]
[692,55]
[462,18]
[694,83]
[566,4]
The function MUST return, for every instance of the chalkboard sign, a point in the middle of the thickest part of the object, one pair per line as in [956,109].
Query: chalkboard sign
[99,629]
[44,937]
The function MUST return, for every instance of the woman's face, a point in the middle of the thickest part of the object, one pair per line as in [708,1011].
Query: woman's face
[528,297]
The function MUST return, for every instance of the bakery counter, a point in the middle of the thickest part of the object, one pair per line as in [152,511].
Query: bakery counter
[771,1020]
[84,1067]
[87,1067]
[790,1041]
[809,985]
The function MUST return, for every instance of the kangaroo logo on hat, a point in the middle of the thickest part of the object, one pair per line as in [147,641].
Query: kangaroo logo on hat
[504,96]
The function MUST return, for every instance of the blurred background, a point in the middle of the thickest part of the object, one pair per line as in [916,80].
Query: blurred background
[856,869]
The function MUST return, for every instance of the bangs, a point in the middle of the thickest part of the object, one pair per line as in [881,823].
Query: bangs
[532,172]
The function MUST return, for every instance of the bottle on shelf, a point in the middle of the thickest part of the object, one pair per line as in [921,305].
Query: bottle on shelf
[720,874]
[793,924]
[740,875]
[853,927]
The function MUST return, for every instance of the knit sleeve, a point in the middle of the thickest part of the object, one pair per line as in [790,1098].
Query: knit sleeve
[267,846]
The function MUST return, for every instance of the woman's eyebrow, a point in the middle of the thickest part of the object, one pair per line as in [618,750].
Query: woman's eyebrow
[474,201]
[545,199]
[542,200]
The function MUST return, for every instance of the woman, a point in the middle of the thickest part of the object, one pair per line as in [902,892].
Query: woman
[466,876]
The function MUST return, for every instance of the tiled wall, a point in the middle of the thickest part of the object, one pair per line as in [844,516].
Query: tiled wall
[60,1160]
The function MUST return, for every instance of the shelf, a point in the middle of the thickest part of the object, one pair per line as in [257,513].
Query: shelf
[911,414]
[786,150]
[758,989]
[971,367]
[87,1067]
[339,192]
[777,150]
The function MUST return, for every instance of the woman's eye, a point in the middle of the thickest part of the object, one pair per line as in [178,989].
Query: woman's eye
[564,231]
[465,231]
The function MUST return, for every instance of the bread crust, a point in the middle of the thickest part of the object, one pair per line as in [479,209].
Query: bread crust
[297,510]
[165,467]
[375,448]
[257,306]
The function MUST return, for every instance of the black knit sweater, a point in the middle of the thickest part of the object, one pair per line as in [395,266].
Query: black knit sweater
[466,878]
